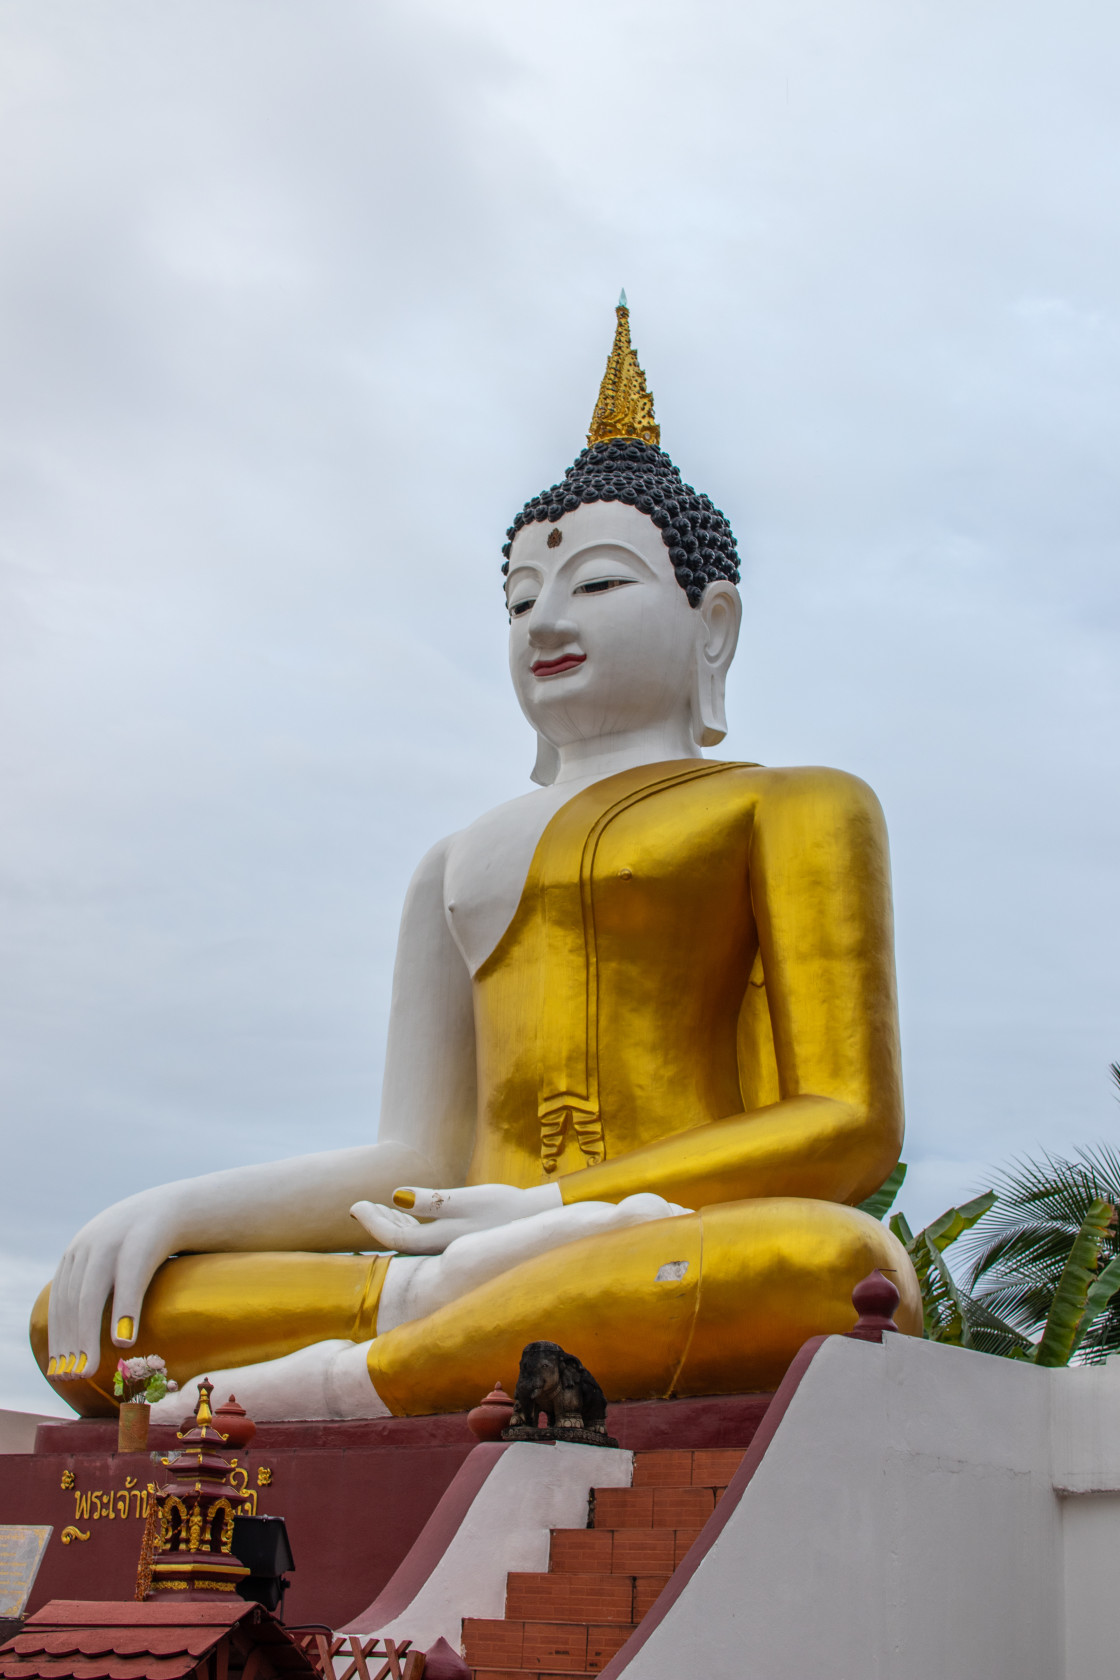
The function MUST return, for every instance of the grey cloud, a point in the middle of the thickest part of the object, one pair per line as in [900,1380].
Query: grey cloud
[298,304]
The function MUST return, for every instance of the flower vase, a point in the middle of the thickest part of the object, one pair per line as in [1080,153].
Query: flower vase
[132,1426]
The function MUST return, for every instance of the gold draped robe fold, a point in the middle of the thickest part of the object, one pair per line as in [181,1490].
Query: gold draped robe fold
[695,943]
[695,997]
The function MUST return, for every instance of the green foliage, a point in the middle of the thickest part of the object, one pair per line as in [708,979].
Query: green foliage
[1019,1254]
[945,1309]
[880,1202]
[1043,1283]
[1066,1324]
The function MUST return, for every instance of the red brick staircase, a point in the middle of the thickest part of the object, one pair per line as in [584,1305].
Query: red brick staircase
[602,1579]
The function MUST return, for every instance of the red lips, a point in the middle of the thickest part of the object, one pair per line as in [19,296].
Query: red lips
[553,667]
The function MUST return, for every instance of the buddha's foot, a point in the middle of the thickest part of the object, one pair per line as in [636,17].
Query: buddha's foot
[328,1380]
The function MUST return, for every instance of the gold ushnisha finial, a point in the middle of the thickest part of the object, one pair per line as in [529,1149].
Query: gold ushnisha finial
[625,406]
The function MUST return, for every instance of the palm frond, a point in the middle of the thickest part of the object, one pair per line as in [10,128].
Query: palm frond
[1042,1205]
[1102,1339]
[989,1333]
[1024,1308]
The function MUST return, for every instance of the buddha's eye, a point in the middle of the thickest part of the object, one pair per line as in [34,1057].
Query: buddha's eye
[520,607]
[599,585]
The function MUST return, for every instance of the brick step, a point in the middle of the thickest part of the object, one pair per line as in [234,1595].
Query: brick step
[653,1507]
[618,1551]
[531,1647]
[597,1598]
[569,1623]
[687,1467]
[534,1674]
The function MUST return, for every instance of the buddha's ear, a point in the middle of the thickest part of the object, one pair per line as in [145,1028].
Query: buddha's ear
[547,767]
[721,613]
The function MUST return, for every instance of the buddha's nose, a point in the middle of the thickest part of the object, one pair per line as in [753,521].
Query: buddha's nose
[548,631]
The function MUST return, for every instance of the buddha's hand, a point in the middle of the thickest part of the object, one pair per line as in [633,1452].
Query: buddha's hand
[454,1213]
[116,1254]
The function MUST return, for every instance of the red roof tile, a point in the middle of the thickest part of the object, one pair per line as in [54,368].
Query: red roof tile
[81,1612]
[109,1667]
[91,1642]
[77,1640]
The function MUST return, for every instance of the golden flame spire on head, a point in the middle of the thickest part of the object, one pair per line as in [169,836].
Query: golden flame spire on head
[625,406]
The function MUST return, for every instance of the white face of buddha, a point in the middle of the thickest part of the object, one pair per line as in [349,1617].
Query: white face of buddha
[603,641]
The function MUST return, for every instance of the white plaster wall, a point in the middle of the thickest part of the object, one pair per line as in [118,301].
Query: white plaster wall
[17,1430]
[903,1525]
[1091,1546]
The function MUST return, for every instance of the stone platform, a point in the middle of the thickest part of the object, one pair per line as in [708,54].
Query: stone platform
[354,1495]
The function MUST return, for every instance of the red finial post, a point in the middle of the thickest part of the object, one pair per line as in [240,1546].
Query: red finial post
[443,1663]
[875,1299]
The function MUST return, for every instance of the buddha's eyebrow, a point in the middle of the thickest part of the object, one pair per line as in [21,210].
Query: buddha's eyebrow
[524,571]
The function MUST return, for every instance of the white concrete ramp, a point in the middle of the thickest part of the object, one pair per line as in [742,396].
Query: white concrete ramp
[920,1512]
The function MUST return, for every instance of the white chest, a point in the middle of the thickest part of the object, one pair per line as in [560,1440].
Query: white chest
[487,864]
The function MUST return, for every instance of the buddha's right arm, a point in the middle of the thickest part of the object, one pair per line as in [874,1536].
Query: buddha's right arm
[303,1202]
[820,890]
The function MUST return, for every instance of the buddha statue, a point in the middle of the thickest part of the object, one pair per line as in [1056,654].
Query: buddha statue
[643,1054]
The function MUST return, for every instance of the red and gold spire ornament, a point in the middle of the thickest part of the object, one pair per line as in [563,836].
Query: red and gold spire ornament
[625,405]
[188,1540]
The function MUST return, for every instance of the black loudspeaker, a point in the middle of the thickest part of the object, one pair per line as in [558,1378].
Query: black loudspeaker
[261,1543]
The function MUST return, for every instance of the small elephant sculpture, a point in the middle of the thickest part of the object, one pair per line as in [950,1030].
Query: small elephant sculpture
[559,1385]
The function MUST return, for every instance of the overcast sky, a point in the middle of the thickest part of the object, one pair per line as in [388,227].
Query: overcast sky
[299,303]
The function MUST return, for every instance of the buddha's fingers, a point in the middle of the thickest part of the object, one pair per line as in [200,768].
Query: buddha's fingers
[477,1206]
[92,1293]
[400,1231]
[77,1302]
[59,1316]
[140,1255]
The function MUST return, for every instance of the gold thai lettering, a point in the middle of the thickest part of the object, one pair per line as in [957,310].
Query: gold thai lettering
[95,1504]
[239,1478]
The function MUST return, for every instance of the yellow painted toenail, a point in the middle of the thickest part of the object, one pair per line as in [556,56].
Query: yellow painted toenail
[81,1365]
[71,1361]
[124,1329]
[52,1367]
[404,1198]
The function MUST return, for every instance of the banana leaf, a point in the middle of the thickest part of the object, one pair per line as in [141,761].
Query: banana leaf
[956,1220]
[1101,1291]
[945,1309]
[1066,1321]
[880,1202]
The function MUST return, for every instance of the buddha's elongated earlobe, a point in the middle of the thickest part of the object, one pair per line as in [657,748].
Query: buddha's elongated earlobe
[721,613]
[547,767]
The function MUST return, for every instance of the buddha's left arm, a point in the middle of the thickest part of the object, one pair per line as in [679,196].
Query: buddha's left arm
[820,889]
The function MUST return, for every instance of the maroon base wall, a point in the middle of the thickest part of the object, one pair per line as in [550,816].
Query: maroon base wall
[354,1495]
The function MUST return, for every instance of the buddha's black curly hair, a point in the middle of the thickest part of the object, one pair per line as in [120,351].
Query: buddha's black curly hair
[700,541]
